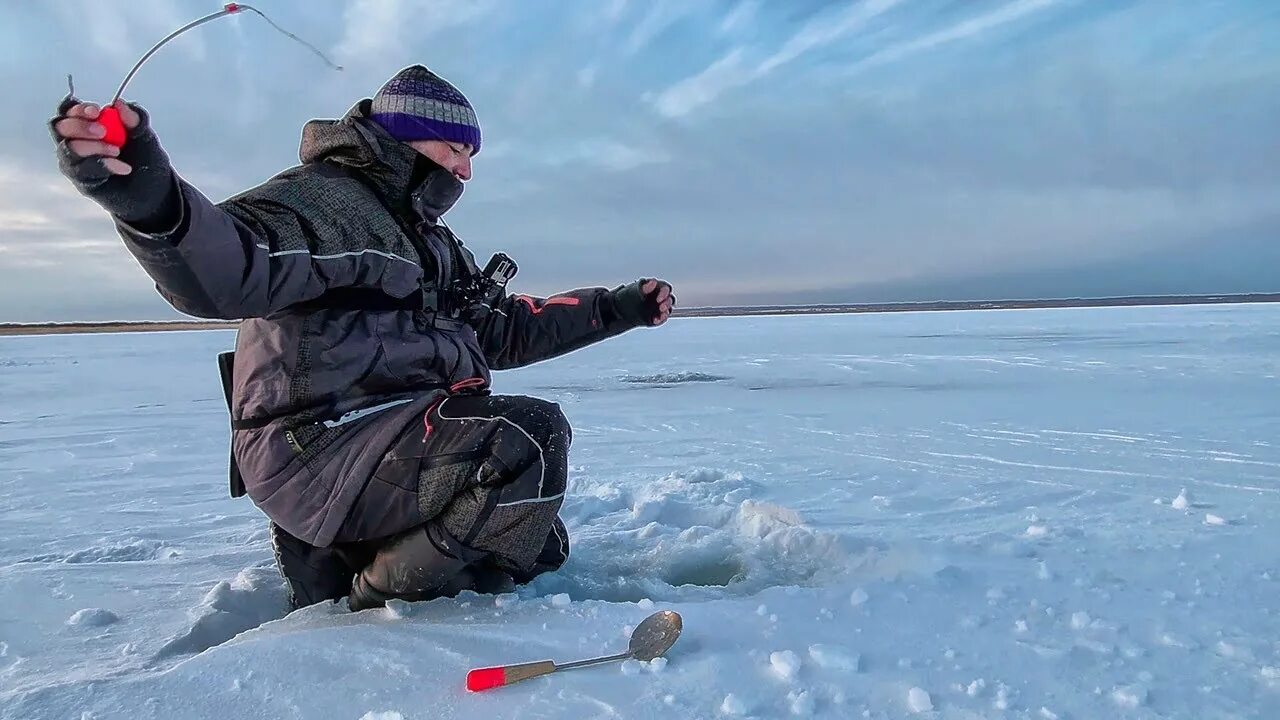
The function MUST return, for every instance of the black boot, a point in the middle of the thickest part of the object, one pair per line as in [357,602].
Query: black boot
[313,574]
[421,564]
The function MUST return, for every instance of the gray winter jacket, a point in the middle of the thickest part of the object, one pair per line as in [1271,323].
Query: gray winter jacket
[348,333]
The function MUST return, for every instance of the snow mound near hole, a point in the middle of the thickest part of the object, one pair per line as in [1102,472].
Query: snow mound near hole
[684,535]
[256,595]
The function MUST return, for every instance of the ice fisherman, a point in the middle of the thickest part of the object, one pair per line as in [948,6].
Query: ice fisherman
[363,422]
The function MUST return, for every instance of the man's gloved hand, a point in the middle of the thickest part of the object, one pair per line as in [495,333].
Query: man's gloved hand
[135,183]
[645,302]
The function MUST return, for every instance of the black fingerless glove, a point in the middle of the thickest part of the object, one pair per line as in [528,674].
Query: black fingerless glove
[633,307]
[147,198]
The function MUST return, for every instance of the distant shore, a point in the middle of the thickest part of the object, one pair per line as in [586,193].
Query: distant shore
[717,311]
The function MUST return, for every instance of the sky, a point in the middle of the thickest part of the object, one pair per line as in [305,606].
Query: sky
[749,151]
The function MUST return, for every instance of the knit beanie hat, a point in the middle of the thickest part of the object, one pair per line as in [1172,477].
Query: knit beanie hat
[417,104]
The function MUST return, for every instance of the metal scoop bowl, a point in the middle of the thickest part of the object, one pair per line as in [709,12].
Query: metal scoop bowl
[652,638]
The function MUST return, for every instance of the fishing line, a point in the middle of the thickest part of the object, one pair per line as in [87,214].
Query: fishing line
[109,117]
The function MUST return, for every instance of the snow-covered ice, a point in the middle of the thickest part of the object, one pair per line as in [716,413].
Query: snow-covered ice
[856,515]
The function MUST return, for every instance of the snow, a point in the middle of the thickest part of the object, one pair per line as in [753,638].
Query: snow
[856,516]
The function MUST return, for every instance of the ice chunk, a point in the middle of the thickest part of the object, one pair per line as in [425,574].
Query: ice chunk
[733,705]
[786,664]
[801,703]
[918,701]
[858,597]
[1182,502]
[560,600]
[1129,697]
[93,617]
[833,658]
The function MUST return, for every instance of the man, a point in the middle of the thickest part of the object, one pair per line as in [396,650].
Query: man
[363,423]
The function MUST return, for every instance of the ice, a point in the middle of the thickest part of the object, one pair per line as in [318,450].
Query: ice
[833,658]
[839,510]
[785,664]
[1182,502]
[733,705]
[918,701]
[1129,697]
[801,702]
[385,715]
[93,617]
[1211,519]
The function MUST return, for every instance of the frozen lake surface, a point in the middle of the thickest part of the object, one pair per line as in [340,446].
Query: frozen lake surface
[1019,514]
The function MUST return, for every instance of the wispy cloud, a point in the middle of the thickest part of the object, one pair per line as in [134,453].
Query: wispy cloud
[742,15]
[693,92]
[379,30]
[823,31]
[124,31]
[617,156]
[731,71]
[662,14]
[965,30]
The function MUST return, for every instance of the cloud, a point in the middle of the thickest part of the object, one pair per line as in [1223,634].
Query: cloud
[382,30]
[822,31]
[124,31]
[741,16]
[693,92]
[619,157]
[731,71]
[966,30]
[662,15]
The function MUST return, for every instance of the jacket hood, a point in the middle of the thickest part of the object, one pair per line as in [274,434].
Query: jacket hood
[361,145]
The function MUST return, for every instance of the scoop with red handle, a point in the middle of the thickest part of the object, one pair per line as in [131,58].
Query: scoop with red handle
[109,116]
[651,638]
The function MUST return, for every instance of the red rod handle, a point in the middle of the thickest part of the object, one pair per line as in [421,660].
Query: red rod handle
[109,119]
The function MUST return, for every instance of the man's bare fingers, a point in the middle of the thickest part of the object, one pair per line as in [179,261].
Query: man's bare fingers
[74,128]
[88,111]
[128,115]
[117,167]
[92,148]
[647,286]
[663,293]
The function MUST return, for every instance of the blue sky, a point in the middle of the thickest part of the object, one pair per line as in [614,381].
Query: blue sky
[751,151]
